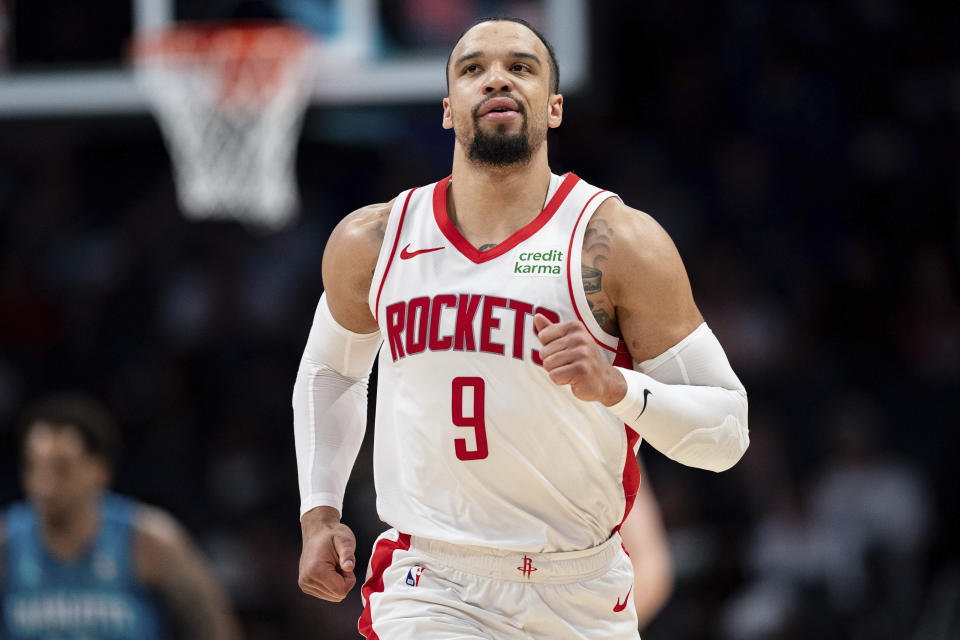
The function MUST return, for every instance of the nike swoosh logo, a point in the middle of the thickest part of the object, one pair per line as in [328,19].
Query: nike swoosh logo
[646,392]
[621,607]
[406,255]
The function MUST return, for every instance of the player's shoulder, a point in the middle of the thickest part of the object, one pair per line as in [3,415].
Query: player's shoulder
[370,214]
[355,242]
[349,261]
[638,227]
[159,539]
[157,528]
[634,237]
[363,228]
[626,242]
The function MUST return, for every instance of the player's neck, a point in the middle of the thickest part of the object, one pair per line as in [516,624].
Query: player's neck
[487,204]
[69,535]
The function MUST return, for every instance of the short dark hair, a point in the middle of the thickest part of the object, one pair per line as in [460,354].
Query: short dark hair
[554,67]
[78,411]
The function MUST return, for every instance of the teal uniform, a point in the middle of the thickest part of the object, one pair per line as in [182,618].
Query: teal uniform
[95,597]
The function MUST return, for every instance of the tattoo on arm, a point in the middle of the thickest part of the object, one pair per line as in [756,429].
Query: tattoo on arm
[596,240]
[596,250]
[591,280]
[605,321]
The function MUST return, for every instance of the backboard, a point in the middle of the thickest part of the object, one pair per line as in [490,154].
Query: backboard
[68,57]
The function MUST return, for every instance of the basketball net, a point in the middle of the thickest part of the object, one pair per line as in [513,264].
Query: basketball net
[230,102]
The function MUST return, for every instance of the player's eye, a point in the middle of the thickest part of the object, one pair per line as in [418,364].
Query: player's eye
[519,67]
[471,68]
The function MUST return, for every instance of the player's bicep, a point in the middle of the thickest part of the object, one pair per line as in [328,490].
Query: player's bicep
[651,290]
[349,261]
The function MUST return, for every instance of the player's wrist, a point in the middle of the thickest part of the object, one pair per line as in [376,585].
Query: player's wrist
[615,387]
[318,519]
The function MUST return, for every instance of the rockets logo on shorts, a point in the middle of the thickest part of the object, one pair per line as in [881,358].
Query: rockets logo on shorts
[413,576]
[527,567]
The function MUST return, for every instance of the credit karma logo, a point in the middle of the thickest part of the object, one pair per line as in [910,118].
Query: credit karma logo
[547,262]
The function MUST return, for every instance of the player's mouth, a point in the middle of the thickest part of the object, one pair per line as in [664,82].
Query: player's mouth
[499,109]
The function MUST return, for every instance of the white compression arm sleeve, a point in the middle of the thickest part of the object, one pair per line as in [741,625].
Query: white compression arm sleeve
[689,404]
[330,408]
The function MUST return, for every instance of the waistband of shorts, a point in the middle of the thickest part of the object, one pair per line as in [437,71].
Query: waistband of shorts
[519,566]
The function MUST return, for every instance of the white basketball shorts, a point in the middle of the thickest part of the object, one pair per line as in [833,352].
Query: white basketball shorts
[424,589]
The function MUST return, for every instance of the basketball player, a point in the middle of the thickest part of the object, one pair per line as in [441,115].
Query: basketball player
[504,458]
[80,562]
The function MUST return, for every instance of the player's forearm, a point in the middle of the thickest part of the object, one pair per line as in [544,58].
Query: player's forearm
[330,408]
[690,405]
[330,414]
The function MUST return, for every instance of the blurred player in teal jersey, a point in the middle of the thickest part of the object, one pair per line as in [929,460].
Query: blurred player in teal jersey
[80,562]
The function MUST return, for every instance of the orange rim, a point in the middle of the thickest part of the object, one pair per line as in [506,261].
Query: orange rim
[236,51]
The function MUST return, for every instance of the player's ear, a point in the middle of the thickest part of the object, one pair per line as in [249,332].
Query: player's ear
[447,114]
[555,111]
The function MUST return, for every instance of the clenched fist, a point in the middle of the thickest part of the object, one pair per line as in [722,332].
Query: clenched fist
[326,561]
[570,356]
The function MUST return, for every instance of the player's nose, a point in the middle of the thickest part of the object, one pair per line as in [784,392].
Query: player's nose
[497,80]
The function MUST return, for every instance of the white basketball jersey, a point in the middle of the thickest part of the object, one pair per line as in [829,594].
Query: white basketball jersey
[473,443]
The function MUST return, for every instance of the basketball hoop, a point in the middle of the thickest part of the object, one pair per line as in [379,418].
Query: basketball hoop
[230,101]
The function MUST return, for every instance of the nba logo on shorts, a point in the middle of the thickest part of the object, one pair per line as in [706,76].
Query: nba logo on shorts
[413,576]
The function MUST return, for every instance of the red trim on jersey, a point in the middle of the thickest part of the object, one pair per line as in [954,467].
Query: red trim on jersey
[472,253]
[573,298]
[396,241]
[382,558]
[631,474]
[631,468]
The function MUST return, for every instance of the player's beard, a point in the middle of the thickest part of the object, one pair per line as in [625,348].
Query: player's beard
[498,148]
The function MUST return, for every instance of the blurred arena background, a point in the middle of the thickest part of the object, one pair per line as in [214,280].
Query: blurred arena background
[804,156]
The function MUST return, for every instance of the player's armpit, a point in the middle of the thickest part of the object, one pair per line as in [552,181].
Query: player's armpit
[166,561]
[349,261]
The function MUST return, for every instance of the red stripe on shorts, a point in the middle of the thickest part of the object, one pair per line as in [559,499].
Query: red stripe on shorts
[382,558]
